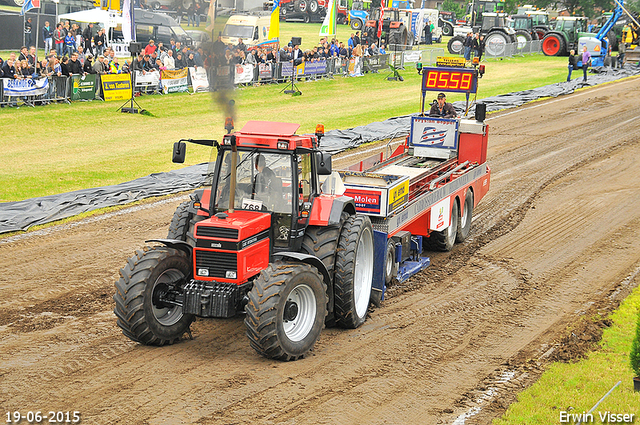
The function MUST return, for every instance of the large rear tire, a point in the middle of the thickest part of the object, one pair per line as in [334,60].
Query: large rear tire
[523,39]
[146,278]
[456,45]
[354,271]
[464,224]
[553,45]
[286,311]
[444,240]
[496,43]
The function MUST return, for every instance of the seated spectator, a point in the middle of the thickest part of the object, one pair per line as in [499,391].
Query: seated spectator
[138,63]
[373,50]
[81,55]
[64,65]
[382,50]
[169,62]
[9,70]
[126,67]
[191,61]
[54,68]
[115,67]
[25,70]
[180,61]
[100,67]
[24,53]
[147,65]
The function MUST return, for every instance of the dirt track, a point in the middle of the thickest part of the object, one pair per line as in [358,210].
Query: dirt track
[553,240]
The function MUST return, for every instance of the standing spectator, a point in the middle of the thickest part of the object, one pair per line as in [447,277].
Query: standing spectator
[191,61]
[114,66]
[31,57]
[75,67]
[351,42]
[87,67]
[99,41]
[573,63]
[428,35]
[480,50]
[65,66]
[87,34]
[383,51]
[356,39]
[179,12]
[197,12]
[150,48]
[28,39]
[241,46]
[47,36]
[70,43]
[180,61]
[99,66]
[468,42]
[190,14]
[58,39]
[138,63]
[586,62]
[169,62]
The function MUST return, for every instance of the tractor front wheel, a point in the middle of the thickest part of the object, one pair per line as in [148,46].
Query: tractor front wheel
[456,45]
[354,271]
[286,311]
[146,283]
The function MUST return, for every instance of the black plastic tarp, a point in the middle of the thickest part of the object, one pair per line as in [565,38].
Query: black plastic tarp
[21,215]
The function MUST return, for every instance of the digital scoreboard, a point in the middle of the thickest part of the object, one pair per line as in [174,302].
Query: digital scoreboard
[460,80]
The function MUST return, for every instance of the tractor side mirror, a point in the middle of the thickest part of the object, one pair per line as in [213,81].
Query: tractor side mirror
[324,163]
[179,152]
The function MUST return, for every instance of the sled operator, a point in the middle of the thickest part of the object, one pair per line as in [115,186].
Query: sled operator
[441,108]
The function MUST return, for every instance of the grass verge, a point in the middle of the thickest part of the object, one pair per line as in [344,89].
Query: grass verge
[574,388]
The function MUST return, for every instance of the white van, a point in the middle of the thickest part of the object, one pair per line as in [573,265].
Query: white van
[253,30]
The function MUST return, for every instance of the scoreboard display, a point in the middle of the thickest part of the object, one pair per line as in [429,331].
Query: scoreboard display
[461,80]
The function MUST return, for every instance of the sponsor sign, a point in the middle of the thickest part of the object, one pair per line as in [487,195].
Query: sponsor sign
[434,137]
[84,87]
[244,74]
[377,62]
[412,56]
[367,201]
[116,86]
[174,81]
[199,80]
[26,87]
[317,67]
[265,71]
[287,68]
[398,195]
[440,213]
[149,78]
[451,62]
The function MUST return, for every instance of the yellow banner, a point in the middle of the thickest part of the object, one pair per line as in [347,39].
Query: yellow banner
[116,86]
[449,61]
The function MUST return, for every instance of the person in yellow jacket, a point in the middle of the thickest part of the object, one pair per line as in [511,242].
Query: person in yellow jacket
[114,67]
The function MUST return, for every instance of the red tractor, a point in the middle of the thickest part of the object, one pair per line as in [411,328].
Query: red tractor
[264,239]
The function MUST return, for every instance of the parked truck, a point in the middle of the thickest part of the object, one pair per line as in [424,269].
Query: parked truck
[292,245]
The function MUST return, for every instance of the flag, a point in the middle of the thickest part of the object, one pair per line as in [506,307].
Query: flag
[328,27]
[274,26]
[28,5]
[380,23]
[212,18]
[128,22]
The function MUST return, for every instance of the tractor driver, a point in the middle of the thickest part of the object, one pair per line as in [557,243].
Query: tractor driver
[263,183]
[441,108]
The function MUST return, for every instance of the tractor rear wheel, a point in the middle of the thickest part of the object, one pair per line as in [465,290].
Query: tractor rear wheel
[496,43]
[144,282]
[456,45]
[444,240]
[286,310]
[354,271]
[464,224]
[522,39]
[553,45]
[179,226]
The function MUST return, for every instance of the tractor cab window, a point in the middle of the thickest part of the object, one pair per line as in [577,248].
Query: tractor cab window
[304,179]
[263,182]
[358,5]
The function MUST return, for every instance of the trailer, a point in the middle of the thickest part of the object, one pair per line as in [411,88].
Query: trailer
[292,245]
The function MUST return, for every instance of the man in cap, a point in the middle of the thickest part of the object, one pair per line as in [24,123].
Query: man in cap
[441,108]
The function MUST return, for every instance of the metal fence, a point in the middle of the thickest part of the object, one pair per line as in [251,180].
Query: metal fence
[520,48]
[48,89]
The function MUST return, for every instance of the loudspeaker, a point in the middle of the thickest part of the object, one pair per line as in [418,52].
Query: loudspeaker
[296,41]
[481,111]
[135,48]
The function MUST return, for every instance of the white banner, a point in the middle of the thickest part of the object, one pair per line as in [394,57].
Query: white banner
[199,80]
[440,213]
[26,87]
[244,74]
[150,78]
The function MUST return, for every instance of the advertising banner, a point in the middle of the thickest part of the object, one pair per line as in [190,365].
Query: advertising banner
[149,79]
[26,87]
[174,81]
[199,80]
[434,137]
[116,86]
[84,87]
[287,69]
[317,67]
[265,71]
[244,74]
[376,62]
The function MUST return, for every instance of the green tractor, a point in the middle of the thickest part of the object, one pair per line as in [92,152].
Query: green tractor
[565,35]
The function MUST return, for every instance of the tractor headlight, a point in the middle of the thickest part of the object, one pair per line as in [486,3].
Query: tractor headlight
[231,274]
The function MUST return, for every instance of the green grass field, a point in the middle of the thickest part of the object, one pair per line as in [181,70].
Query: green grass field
[577,387]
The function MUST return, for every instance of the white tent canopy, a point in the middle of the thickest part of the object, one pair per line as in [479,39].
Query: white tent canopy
[107,19]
